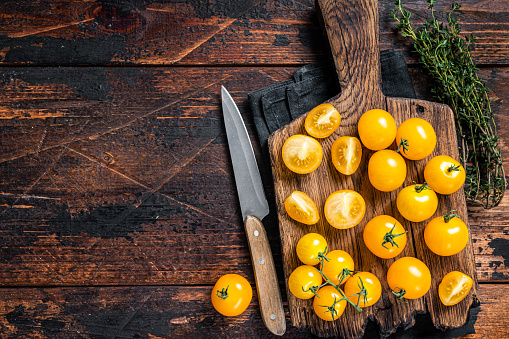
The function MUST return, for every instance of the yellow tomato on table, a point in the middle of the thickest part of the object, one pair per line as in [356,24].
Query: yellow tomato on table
[337,266]
[384,236]
[302,208]
[302,154]
[363,289]
[444,174]
[311,248]
[454,287]
[416,138]
[304,281]
[330,305]
[417,203]
[344,209]
[377,129]
[231,295]
[386,170]
[346,154]
[322,121]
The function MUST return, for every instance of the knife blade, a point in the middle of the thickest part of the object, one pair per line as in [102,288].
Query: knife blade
[254,207]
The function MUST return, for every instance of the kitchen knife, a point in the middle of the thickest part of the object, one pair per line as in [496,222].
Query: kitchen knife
[254,208]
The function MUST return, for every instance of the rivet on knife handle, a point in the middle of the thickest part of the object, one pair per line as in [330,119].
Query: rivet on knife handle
[267,286]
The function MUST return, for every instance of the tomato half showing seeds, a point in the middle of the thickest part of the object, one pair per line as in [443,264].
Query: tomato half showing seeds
[330,305]
[311,248]
[444,174]
[231,295]
[384,236]
[346,154]
[302,154]
[417,203]
[302,208]
[416,139]
[364,289]
[409,278]
[446,235]
[304,281]
[344,209]
[338,266]
[454,287]
[386,170]
[322,121]
[377,129]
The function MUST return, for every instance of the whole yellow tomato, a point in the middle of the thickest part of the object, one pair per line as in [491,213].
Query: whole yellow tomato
[346,154]
[304,281]
[231,295]
[454,287]
[417,203]
[344,209]
[446,235]
[302,208]
[363,289]
[416,139]
[409,278]
[377,129]
[384,236]
[444,174]
[338,266]
[311,248]
[302,154]
[386,170]
[330,305]
[322,121]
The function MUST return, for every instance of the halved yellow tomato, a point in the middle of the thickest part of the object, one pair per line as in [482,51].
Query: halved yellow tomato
[302,154]
[344,209]
[322,121]
[302,208]
[454,287]
[346,153]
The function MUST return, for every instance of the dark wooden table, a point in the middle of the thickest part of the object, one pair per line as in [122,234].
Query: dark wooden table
[118,210]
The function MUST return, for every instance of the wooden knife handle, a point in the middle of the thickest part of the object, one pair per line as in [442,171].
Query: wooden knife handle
[352,31]
[267,287]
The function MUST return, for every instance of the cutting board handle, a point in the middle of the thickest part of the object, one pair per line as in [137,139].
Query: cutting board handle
[352,31]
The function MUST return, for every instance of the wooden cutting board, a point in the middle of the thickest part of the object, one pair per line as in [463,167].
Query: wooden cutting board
[352,30]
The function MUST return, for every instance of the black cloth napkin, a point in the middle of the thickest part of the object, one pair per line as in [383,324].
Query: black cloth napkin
[277,105]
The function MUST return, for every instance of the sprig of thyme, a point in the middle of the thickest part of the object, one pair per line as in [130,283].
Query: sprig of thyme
[446,55]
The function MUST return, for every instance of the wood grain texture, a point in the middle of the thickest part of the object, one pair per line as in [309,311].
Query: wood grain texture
[271,306]
[149,32]
[168,312]
[353,34]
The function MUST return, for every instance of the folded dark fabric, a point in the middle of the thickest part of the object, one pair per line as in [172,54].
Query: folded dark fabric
[277,105]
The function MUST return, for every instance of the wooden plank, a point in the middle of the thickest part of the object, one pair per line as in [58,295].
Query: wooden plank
[69,163]
[55,32]
[173,311]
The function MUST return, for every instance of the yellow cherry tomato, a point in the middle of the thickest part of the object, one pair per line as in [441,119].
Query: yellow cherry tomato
[344,209]
[337,266]
[386,170]
[346,153]
[330,305]
[302,154]
[444,174]
[416,139]
[363,289]
[231,295]
[409,278]
[311,248]
[384,236]
[454,287]
[377,129]
[303,281]
[302,208]
[322,121]
[417,203]
[446,235]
